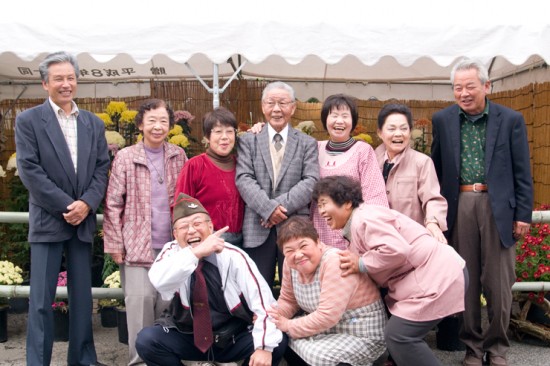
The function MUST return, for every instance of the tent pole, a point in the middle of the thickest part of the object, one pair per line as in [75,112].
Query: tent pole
[216,86]
[215,90]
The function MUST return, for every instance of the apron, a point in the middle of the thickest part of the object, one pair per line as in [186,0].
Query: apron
[357,339]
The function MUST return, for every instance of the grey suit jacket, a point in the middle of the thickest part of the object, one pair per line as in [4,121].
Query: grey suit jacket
[46,169]
[507,166]
[299,173]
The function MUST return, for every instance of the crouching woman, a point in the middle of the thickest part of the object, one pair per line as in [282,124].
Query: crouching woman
[426,279]
[344,317]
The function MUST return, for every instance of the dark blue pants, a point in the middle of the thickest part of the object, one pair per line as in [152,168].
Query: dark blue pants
[156,347]
[45,265]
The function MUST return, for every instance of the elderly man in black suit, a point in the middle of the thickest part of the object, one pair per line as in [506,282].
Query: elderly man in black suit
[481,156]
[63,161]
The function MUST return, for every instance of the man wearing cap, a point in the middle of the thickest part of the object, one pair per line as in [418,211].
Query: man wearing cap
[235,292]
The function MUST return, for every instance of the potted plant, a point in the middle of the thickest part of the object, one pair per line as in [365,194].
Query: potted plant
[61,313]
[10,274]
[111,279]
[533,265]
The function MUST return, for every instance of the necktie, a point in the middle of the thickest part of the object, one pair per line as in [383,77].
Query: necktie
[277,141]
[202,324]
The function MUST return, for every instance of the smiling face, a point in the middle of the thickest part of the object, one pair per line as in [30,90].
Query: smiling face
[395,134]
[335,216]
[61,85]
[339,123]
[303,254]
[469,92]
[222,139]
[155,127]
[278,108]
[193,230]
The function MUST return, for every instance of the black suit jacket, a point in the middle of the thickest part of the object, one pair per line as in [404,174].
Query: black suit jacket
[46,169]
[507,166]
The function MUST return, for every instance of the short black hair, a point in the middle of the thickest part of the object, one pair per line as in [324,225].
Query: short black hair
[337,101]
[219,115]
[394,108]
[296,227]
[340,189]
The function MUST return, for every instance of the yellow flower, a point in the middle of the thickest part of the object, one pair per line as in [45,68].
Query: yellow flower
[115,108]
[139,138]
[128,116]
[180,140]
[114,137]
[176,130]
[105,118]
[364,137]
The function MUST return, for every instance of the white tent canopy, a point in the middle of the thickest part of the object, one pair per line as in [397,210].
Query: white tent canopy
[401,42]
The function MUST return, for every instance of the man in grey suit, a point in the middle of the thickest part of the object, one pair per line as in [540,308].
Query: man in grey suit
[62,159]
[276,171]
[481,155]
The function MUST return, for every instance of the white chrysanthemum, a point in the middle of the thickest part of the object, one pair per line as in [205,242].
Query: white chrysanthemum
[115,138]
[307,127]
[417,134]
[2,172]
[12,163]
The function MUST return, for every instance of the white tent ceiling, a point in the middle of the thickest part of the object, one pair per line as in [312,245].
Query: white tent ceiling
[328,41]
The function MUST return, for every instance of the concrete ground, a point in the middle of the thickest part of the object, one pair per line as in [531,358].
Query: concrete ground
[113,353]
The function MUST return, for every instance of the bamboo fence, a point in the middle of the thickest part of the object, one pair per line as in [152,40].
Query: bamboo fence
[243,98]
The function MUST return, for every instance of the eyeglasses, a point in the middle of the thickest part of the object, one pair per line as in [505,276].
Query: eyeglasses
[219,132]
[184,226]
[282,103]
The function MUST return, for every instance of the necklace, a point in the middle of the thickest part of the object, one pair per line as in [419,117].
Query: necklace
[160,177]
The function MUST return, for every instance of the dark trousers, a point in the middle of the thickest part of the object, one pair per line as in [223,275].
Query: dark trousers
[45,265]
[405,341]
[159,347]
[266,256]
[492,271]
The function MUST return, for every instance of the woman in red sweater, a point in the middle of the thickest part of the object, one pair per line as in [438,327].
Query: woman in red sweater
[210,177]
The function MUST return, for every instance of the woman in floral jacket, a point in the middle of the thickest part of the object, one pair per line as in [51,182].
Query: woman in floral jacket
[137,220]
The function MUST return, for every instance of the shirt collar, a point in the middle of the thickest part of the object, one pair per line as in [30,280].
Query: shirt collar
[485,112]
[271,131]
[57,108]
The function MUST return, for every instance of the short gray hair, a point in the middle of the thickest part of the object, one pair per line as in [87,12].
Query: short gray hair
[468,64]
[57,58]
[279,85]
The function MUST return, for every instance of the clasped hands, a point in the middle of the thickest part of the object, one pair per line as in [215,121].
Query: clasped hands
[78,211]
[277,216]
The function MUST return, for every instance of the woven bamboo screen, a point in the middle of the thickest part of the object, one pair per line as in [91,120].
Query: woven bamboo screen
[243,98]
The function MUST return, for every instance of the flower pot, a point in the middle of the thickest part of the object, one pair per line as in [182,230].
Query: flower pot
[3,324]
[122,325]
[108,316]
[61,326]
[18,305]
[537,315]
